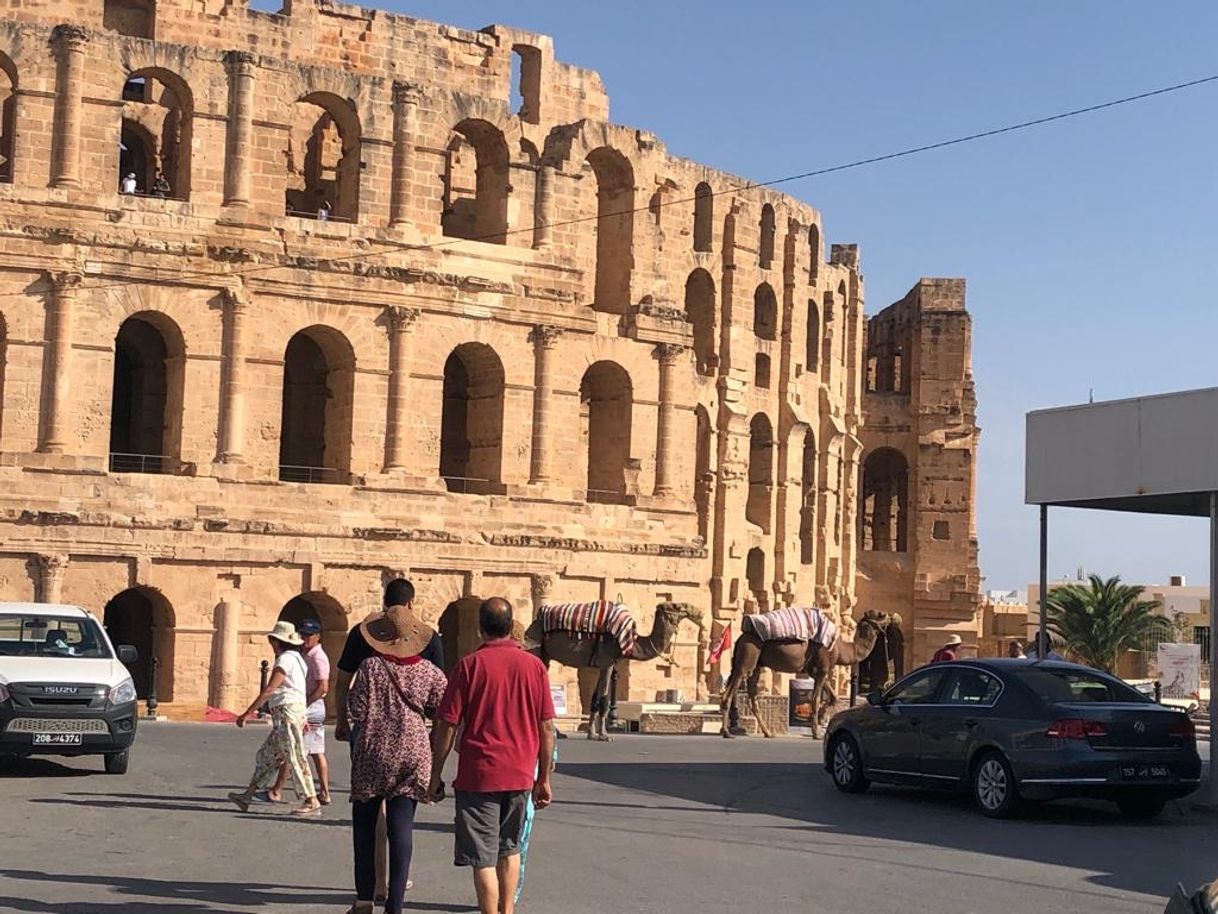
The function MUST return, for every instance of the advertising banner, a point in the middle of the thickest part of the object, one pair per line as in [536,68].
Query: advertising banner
[1180,670]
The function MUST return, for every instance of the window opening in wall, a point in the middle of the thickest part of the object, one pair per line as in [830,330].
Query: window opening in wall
[700,312]
[941,530]
[606,406]
[476,183]
[323,159]
[761,373]
[655,206]
[754,572]
[702,469]
[155,138]
[813,252]
[318,407]
[761,472]
[8,117]
[704,217]
[526,83]
[765,250]
[812,356]
[614,185]
[136,18]
[898,373]
[765,313]
[885,501]
[873,367]
[146,397]
[471,423]
[807,502]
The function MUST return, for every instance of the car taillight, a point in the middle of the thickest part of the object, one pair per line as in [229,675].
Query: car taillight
[1182,728]
[1076,728]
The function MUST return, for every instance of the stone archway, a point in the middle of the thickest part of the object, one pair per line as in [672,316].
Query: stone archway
[334,626]
[143,618]
[459,630]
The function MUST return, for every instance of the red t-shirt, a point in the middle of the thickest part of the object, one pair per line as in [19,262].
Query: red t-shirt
[943,655]
[502,694]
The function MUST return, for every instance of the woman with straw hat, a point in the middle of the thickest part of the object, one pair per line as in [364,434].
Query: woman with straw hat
[284,697]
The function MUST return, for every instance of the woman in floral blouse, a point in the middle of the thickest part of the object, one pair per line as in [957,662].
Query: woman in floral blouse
[395,691]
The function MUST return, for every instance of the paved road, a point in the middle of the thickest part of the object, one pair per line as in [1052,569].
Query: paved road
[670,825]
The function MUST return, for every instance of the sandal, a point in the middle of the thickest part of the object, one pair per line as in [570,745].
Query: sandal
[241,799]
[324,799]
[307,812]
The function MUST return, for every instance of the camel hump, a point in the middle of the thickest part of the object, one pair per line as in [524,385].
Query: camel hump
[597,619]
[793,623]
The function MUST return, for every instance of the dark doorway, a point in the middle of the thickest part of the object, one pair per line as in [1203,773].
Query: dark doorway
[146,402]
[143,618]
[459,630]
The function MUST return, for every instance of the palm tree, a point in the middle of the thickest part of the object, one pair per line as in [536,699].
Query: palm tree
[1098,622]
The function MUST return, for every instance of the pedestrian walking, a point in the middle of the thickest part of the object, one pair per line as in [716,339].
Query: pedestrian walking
[948,651]
[1042,649]
[394,694]
[500,695]
[284,697]
[529,816]
[1015,651]
[317,686]
[127,185]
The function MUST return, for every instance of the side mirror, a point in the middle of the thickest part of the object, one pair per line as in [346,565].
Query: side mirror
[127,654]
[876,699]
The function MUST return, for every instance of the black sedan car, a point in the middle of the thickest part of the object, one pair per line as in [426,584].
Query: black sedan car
[1012,730]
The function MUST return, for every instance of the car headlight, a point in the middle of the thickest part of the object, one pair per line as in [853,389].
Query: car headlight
[123,692]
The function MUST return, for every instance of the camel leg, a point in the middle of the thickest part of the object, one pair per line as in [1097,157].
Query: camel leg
[754,683]
[727,700]
[598,720]
[818,686]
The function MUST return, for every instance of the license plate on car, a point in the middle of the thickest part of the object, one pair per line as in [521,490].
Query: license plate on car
[57,739]
[1145,772]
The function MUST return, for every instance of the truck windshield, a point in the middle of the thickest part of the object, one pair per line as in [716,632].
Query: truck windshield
[51,636]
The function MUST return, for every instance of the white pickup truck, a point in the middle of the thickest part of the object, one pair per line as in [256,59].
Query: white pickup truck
[63,687]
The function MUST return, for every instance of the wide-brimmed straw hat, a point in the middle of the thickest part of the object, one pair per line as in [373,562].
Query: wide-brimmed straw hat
[953,640]
[397,631]
[286,632]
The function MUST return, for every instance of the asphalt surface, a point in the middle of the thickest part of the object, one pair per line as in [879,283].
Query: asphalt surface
[672,825]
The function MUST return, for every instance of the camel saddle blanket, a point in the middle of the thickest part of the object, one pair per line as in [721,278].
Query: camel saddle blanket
[600,619]
[793,623]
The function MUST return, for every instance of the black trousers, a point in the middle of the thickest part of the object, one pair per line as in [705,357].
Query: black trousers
[399,817]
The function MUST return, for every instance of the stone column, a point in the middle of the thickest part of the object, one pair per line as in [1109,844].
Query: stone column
[543,213]
[400,320]
[406,100]
[667,355]
[241,67]
[232,434]
[58,361]
[543,591]
[544,340]
[69,43]
[226,691]
[51,571]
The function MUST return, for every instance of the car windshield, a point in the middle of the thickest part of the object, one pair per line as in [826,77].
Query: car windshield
[51,636]
[1074,686]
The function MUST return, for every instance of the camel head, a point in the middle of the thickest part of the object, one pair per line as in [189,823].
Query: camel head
[674,613]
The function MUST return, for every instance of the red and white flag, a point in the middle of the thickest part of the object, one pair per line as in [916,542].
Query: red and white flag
[725,641]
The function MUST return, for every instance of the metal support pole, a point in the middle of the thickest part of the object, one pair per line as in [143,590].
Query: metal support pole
[854,683]
[611,722]
[1043,637]
[152,677]
[264,676]
[1213,658]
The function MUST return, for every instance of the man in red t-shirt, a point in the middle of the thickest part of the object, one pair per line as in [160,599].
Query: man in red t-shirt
[502,696]
[947,653]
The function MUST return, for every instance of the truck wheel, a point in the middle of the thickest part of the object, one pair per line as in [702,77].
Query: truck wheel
[116,762]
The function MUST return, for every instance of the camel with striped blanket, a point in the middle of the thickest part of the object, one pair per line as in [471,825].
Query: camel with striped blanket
[751,654]
[603,652]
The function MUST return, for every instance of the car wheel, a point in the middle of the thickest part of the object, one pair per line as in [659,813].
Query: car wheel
[994,789]
[1141,806]
[846,765]
[116,762]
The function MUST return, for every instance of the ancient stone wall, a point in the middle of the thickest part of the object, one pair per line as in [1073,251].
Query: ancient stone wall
[383,301]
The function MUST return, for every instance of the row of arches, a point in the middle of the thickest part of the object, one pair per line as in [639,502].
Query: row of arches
[703,232]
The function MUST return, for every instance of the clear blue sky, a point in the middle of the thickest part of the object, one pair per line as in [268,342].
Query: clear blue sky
[1089,245]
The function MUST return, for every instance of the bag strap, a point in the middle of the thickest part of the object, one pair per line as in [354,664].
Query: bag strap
[398,688]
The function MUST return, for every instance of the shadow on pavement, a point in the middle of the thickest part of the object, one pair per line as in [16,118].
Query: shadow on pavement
[18,767]
[169,890]
[1092,837]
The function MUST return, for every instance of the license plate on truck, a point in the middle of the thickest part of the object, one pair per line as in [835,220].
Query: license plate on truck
[57,739]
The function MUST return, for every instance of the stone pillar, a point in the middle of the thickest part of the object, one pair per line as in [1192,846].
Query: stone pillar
[69,43]
[400,321]
[241,67]
[667,355]
[544,340]
[406,100]
[51,571]
[232,434]
[58,358]
[226,691]
[543,591]
[543,213]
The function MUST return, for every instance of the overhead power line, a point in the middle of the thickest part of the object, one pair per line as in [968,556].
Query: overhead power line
[751,185]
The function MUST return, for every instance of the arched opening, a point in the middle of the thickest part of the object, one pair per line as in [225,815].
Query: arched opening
[614,229]
[323,159]
[146,398]
[8,117]
[813,252]
[471,423]
[606,399]
[765,248]
[702,469]
[143,618]
[459,630]
[885,501]
[807,501]
[330,615]
[812,357]
[700,312]
[761,471]
[476,184]
[156,134]
[754,572]
[704,217]
[765,312]
[318,406]
[761,371]
[526,83]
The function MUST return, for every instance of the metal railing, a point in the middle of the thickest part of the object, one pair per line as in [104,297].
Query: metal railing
[605,497]
[316,216]
[466,485]
[159,464]
[320,475]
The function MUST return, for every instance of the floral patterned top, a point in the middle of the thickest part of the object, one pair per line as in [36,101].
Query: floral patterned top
[390,749]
